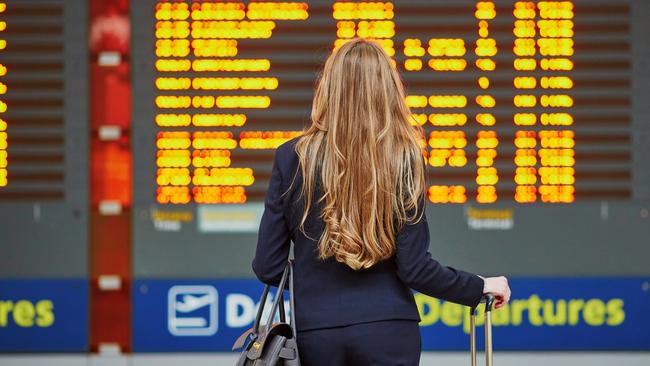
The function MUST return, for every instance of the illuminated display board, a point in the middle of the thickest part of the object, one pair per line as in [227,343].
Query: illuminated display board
[32,109]
[43,138]
[524,104]
[3,108]
[503,95]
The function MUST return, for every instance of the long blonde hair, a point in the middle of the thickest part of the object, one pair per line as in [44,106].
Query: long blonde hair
[368,154]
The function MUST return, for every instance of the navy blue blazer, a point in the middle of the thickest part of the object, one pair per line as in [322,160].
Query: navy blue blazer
[328,293]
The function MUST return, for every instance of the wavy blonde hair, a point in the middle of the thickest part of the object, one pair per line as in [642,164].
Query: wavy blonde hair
[364,152]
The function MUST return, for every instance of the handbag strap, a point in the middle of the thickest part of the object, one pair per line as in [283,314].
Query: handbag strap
[291,300]
[276,303]
[292,323]
[280,294]
[258,316]
[279,298]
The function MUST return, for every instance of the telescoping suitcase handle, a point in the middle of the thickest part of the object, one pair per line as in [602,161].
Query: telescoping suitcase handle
[489,302]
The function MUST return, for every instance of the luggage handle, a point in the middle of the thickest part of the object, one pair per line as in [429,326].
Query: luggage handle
[489,302]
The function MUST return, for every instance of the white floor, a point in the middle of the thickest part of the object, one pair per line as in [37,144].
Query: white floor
[441,358]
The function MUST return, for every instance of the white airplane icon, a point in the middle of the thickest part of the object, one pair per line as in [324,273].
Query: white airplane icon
[191,302]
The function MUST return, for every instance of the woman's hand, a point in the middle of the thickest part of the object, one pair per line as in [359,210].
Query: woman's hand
[498,287]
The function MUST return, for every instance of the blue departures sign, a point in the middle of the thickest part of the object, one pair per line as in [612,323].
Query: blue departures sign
[543,314]
[44,315]
[550,314]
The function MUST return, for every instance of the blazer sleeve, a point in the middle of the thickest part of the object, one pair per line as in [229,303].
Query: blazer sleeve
[418,270]
[273,240]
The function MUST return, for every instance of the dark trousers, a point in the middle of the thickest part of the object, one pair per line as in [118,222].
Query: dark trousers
[379,343]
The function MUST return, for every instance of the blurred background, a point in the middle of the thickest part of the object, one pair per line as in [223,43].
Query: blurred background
[137,137]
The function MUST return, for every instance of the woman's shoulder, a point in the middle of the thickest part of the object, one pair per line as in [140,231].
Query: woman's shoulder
[286,150]
[289,144]
[287,158]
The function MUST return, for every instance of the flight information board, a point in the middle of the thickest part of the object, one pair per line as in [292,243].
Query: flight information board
[525,105]
[32,129]
[44,133]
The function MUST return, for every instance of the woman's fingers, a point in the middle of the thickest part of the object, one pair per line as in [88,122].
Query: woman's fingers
[498,286]
[502,293]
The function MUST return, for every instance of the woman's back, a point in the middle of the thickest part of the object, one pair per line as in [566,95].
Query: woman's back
[350,194]
[329,293]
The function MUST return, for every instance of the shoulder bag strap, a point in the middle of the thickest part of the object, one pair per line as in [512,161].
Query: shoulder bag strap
[293,343]
[260,310]
[291,300]
[280,294]
[278,299]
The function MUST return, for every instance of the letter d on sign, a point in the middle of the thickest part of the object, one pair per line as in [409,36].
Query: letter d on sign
[240,310]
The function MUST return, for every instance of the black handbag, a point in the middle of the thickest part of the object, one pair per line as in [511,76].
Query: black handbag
[274,343]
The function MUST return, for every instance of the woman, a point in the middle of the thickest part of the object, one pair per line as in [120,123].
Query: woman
[350,193]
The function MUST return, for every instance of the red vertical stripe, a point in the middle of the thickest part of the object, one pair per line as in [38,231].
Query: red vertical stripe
[110,176]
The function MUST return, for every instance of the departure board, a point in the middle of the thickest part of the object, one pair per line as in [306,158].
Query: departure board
[32,129]
[525,105]
[44,130]
[505,92]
